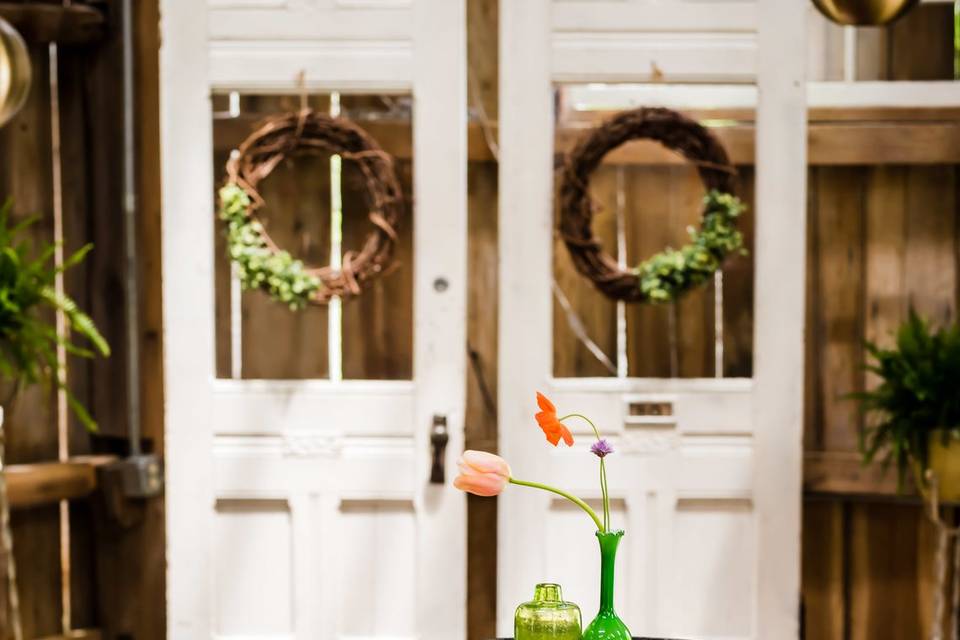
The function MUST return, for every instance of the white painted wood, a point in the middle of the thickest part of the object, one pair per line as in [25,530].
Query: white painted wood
[645,56]
[669,41]
[780,250]
[905,94]
[385,66]
[440,238]
[301,509]
[188,365]
[262,45]
[352,406]
[694,486]
[525,318]
[668,16]
[853,95]
[585,97]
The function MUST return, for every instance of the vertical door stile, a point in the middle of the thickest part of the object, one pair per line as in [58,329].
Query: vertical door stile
[780,247]
[525,241]
[440,250]
[188,343]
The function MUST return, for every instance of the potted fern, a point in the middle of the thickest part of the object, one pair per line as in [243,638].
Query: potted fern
[29,341]
[913,415]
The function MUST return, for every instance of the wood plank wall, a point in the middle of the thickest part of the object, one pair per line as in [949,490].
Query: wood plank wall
[30,423]
[117,571]
[881,239]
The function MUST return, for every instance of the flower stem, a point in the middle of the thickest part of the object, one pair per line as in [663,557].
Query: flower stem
[560,492]
[606,495]
[603,469]
[585,419]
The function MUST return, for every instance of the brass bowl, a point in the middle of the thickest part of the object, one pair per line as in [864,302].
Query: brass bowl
[14,72]
[864,13]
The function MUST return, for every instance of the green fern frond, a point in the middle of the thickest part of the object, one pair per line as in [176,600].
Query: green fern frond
[79,321]
[917,394]
[28,342]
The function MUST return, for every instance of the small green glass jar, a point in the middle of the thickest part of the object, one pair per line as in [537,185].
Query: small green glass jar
[547,616]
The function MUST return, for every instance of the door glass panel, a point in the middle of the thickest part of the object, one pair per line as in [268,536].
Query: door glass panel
[367,337]
[646,198]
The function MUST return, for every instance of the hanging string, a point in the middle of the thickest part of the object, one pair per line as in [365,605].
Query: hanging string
[580,331]
[302,89]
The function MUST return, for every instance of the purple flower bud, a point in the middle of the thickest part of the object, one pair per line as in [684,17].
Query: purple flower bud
[601,448]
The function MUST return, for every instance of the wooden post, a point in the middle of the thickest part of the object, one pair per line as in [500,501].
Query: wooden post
[185,126]
[779,312]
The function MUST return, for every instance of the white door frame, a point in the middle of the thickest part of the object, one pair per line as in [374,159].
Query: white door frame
[779,311]
[186,136]
[424,53]
[528,66]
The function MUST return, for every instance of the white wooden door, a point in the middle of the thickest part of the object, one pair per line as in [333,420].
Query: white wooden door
[708,491]
[302,509]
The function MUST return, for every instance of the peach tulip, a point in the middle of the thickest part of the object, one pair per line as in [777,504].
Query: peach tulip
[482,473]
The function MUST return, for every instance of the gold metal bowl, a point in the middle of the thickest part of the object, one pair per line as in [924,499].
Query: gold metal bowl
[14,72]
[864,13]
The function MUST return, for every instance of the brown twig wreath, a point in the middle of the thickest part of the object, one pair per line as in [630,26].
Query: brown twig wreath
[260,262]
[668,274]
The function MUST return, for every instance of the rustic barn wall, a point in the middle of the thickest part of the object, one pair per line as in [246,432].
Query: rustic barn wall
[115,572]
[882,239]
[30,422]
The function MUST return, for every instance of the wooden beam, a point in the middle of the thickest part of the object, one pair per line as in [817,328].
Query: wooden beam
[816,115]
[45,23]
[80,634]
[844,474]
[31,485]
[834,143]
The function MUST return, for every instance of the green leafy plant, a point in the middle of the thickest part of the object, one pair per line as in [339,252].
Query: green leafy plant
[919,392]
[668,274]
[259,266]
[28,339]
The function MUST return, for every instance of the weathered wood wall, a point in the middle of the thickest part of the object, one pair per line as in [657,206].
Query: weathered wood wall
[116,573]
[881,239]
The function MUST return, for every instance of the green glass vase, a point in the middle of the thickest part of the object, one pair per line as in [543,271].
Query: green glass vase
[547,616]
[607,625]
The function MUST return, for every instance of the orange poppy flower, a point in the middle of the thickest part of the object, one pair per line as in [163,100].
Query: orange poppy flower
[552,427]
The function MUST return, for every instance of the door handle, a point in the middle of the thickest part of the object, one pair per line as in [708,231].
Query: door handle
[439,437]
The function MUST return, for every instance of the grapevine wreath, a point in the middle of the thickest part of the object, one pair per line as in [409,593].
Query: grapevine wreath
[261,264]
[672,272]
